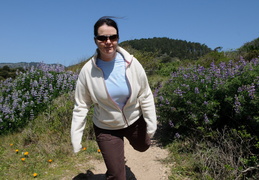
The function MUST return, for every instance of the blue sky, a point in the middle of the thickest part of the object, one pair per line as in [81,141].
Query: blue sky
[61,31]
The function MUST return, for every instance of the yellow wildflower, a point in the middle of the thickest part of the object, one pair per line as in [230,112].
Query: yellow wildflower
[35,174]
[26,153]
[11,144]
[23,159]
[99,150]
[84,148]
[50,160]
[17,150]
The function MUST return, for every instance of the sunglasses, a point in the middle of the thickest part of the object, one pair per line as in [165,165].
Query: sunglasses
[105,38]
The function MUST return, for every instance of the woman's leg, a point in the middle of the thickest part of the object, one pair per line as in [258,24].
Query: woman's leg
[111,145]
[137,135]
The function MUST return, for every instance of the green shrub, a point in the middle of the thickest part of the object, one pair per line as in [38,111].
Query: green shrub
[30,93]
[196,98]
[196,102]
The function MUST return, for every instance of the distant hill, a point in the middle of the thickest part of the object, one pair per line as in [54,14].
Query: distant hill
[171,47]
[20,64]
[250,49]
[8,70]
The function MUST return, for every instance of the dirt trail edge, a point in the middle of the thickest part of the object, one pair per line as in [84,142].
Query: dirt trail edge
[140,166]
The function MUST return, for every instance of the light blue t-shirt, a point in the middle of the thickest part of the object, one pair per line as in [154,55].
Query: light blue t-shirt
[115,78]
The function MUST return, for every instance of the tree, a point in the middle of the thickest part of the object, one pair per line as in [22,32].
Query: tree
[172,47]
[6,68]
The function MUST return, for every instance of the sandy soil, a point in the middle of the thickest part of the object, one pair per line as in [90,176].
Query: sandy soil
[140,166]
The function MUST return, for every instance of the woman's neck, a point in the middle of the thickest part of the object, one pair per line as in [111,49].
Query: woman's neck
[107,58]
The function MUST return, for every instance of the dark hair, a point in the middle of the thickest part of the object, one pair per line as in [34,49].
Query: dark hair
[105,20]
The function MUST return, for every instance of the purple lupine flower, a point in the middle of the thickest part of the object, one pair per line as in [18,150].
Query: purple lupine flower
[32,103]
[161,98]
[51,88]
[185,76]
[74,78]
[177,135]
[179,92]
[45,96]
[249,88]
[24,104]
[256,81]
[201,69]
[222,65]
[167,102]
[251,91]
[156,92]
[240,89]
[59,81]
[34,93]
[15,104]
[31,115]
[27,95]
[196,90]
[171,124]
[34,83]
[186,85]
[237,104]
[206,119]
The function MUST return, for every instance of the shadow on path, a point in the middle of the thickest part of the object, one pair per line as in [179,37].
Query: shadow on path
[89,175]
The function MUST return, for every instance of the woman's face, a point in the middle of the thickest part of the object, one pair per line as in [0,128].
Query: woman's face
[107,47]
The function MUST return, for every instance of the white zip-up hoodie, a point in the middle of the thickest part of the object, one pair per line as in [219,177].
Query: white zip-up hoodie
[91,90]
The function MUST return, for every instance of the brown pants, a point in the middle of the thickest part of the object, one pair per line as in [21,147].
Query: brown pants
[111,144]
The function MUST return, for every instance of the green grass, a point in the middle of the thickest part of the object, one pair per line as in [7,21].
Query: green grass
[182,161]
[45,138]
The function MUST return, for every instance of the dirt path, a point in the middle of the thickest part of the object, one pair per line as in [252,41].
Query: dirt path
[140,166]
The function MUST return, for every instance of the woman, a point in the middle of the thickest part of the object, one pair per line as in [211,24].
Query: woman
[116,84]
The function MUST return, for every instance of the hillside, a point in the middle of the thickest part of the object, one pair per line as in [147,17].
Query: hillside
[19,64]
[250,49]
[8,70]
[171,47]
